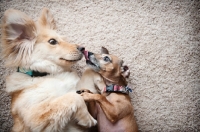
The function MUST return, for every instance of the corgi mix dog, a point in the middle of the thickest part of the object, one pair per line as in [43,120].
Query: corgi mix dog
[112,107]
[43,90]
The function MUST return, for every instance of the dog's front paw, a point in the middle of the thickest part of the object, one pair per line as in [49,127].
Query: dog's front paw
[82,91]
[87,96]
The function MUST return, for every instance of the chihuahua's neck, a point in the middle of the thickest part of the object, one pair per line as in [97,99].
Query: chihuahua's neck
[116,88]
[109,82]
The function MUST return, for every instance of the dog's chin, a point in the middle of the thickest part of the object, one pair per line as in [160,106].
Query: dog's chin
[69,61]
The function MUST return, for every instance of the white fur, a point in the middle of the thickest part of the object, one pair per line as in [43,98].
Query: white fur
[48,103]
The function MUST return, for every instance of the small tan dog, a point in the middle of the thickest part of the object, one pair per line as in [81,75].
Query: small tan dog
[112,108]
[43,90]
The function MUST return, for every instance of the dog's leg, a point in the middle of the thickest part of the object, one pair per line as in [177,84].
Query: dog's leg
[84,118]
[113,111]
[91,105]
[58,112]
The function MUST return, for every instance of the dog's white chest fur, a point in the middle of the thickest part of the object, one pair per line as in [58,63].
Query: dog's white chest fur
[39,89]
[52,98]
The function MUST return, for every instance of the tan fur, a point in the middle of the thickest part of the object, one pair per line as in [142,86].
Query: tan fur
[47,103]
[113,111]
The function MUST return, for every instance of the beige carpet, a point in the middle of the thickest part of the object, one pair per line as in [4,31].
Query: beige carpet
[159,40]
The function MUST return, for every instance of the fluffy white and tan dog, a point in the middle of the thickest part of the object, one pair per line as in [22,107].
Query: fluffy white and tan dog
[43,90]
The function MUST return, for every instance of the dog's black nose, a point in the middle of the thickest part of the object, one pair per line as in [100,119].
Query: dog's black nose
[82,49]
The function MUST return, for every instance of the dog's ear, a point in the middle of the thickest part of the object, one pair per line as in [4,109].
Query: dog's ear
[18,36]
[104,50]
[46,19]
[125,72]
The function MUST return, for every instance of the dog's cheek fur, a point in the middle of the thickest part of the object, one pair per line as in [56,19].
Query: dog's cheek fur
[48,56]
[18,37]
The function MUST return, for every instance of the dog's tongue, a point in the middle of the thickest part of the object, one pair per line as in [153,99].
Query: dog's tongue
[86,55]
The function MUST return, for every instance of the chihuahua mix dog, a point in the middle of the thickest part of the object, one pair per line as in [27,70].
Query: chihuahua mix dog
[43,88]
[112,107]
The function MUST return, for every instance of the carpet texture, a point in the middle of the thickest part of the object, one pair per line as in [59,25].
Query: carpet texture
[159,40]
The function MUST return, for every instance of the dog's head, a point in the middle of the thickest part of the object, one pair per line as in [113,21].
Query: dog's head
[109,66]
[36,45]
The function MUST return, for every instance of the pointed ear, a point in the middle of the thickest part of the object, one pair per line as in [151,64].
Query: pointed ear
[125,72]
[104,50]
[18,36]
[46,19]
[17,24]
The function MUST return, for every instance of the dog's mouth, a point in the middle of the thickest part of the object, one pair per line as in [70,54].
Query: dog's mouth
[90,63]
[63,59]
[88,60]
[86,55]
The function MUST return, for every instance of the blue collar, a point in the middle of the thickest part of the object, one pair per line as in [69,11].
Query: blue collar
[31,73]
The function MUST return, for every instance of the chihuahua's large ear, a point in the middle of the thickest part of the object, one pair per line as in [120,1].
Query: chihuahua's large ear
[46,19]
[125,72]
[104,50]
[18,37]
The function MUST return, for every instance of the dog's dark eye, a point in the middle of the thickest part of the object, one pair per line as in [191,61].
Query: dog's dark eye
[106,58]
[53,41]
